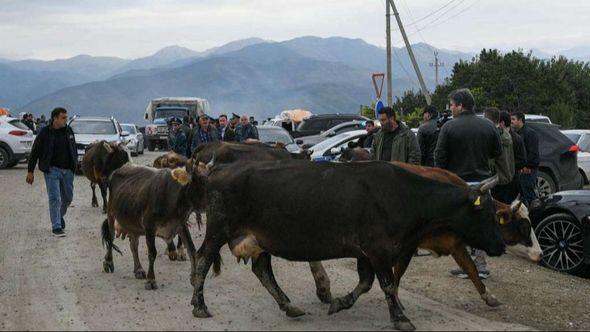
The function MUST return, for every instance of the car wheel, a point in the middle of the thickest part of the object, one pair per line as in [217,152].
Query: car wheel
[545,184]
[142,148]
[151,146]
[12,164]
[561,239]
[4,158]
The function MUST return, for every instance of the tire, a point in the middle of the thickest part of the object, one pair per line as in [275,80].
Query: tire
[4,158]
[545,184]
[151,146]
[561,238]
[142,148]
[12,164]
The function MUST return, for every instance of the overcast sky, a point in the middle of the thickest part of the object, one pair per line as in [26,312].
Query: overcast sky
[49,29]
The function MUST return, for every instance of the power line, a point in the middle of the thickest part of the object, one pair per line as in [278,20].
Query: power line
[433,24]
[430,14]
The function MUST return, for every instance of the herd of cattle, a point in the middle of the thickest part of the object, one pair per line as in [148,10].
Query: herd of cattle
[263,201]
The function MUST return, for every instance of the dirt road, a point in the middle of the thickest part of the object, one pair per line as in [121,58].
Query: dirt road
[58,283]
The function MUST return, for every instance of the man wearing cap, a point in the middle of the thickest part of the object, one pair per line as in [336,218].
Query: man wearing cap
[204,133]
[428,135]
[177,138]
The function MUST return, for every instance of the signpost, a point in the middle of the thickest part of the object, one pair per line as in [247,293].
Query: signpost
[378,90]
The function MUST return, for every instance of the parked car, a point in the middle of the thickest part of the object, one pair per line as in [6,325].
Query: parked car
[274,134]
[315,124]
[16,141]
[581,137]
[91,129]
[331,148]
[309,141]
[537,118]
[558,167]
[562,225]
[135,141]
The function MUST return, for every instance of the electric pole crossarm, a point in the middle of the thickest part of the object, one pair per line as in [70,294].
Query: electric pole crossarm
[411,53]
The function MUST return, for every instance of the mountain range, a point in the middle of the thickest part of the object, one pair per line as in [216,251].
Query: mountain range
[251,76]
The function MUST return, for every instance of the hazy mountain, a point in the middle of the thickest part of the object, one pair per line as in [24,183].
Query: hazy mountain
[163,57]
[577,53]
[233,46]
[85,67]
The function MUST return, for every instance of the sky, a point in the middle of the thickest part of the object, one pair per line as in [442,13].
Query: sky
[50,29]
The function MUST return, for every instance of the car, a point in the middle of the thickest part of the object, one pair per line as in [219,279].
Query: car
[135,141]
[562,225]
[537,118]
[581,137]
[88,130]
[331,148]
[558,162]
[16,141]
[315,124]
[274,134]
[309,141]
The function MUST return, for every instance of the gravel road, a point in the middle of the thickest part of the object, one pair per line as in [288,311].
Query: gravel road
[57,283]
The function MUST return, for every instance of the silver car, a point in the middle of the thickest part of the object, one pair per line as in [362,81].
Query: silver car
[135,139]
[582,138]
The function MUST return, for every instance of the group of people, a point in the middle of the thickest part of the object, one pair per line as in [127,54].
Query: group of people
[470,146]
[185,136]
[35,125]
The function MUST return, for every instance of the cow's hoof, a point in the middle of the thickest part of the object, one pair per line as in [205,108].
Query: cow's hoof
[292,311]
[140,274]
[94,204]
[324,295]
[172,255]
[201,313]
[108,267]
[104,211]
[181,255]
[491,300]
[404,325]
[336,306]
[151,285]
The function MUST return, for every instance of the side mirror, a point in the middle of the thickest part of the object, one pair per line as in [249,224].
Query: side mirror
[125,133]
[335,151]
[299,142]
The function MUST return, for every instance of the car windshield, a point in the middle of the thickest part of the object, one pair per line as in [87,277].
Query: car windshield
[18,124]
[274,135]
[573,137]
[129,128]
[170,112]
[584,143]
[93,127]
[331,142]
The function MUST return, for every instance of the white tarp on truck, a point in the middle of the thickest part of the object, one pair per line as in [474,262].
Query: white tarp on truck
[196,106]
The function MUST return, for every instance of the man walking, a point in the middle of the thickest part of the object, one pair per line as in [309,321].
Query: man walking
[395,141]
[519,155]
[528,174]
[504,165]
[55,149]
[177,138]
[226,134]
[465,147]
[427,135]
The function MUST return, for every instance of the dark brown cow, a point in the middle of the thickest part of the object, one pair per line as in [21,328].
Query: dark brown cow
[152,202]
[170,160]
[100,160]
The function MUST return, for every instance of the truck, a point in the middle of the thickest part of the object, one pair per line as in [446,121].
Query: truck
[159,112]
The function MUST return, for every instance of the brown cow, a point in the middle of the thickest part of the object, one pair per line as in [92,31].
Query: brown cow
[100,160]
[170,160]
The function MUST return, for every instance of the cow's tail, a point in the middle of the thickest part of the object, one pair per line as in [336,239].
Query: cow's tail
[107,238]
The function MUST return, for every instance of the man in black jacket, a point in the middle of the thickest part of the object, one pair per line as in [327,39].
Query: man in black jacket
[428,135]
[55,149]
[528,174]
[519,156]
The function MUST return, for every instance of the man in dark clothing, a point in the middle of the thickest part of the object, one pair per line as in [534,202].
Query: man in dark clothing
[177,138]
[204,133]
[519,156]
[467,143]
[245,130]
[188,133]
[504,165]
[395,141]
[234,121]
[528,174]
[427,136]
[55,149]
[225,132]
[367,141]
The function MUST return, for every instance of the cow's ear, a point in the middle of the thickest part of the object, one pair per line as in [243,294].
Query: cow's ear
[504,216]
[475,199]
[181,176]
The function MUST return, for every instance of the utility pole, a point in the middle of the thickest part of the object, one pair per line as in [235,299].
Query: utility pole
[410,53]
[436,64]
[388,33]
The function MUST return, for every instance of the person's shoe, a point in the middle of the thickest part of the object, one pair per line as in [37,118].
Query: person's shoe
[483,273]
[58,232]
[459,273]
[63,224]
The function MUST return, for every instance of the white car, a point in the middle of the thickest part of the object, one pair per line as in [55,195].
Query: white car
[330,149]
[135,139]
[88,130]
[582,138]
[16,141]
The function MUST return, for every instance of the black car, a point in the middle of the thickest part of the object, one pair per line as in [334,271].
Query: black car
[315,124]
[562,225]
[558,167]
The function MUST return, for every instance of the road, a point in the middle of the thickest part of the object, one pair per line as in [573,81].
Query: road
[53,283]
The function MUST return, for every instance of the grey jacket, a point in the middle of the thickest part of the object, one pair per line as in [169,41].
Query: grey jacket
[405,146]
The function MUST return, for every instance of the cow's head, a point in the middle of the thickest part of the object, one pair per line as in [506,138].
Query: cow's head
[193,177]
[516,229]
[479,227]
[116,156]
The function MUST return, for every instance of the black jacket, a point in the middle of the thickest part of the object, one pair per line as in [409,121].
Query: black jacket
[466,145]
[43,148]
[531,144]
[519,151]
[427,137]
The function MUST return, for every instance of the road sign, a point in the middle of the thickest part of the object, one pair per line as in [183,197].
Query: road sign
[378,87]
[378,106]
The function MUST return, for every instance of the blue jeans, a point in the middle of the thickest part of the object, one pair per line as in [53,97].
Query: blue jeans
[528,186]
[60,190]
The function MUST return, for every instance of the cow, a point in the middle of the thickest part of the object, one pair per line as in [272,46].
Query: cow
[152,202]
[99,161]
[170,160]
[283,218]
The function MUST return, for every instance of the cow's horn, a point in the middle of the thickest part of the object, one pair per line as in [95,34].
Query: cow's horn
[211,162]
[488,184]
[107,147]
